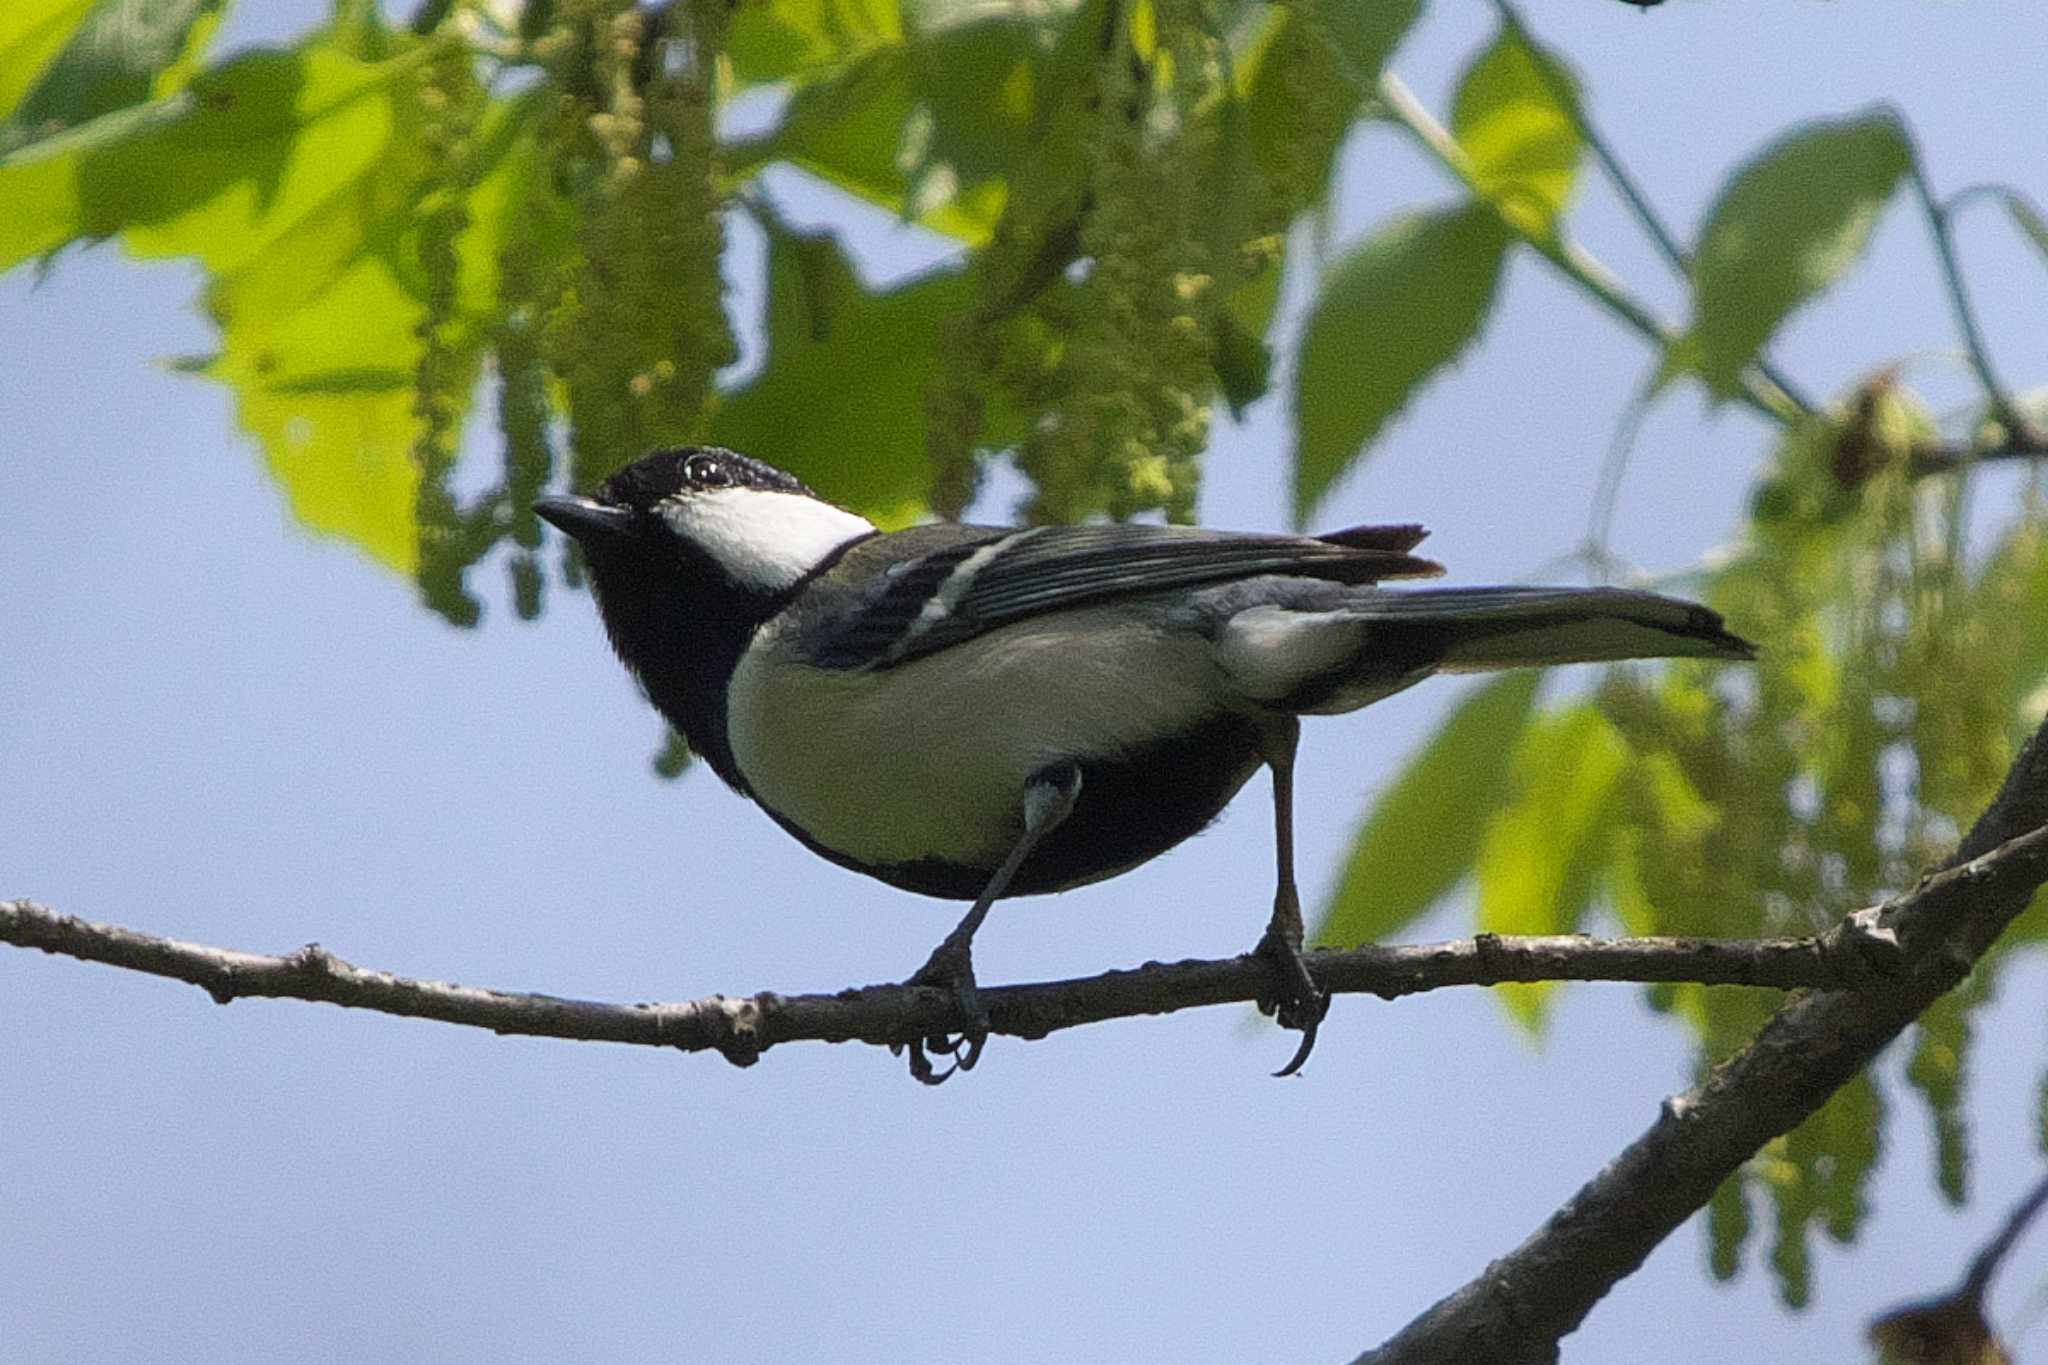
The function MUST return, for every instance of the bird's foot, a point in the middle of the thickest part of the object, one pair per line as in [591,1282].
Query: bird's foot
[950,967]
[1297,1002]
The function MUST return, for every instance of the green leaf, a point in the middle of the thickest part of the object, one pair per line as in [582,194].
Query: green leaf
[1296,99]
[1397,308]
[2028,219]
[1728,1226]
[1243,364]
[1366,32]
[1939,1070]
[1424,831]
[32,33]
[830,403]
[1516,117]
[327,391]
[1785,226]
[979,87]
[217,172]
[320,339]
[1539,854]
[801,40]
[127,52]
[850,132]
[1819,1174]
[294,179]
[674,756]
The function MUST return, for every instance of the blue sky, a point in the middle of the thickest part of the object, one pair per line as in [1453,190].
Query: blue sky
[216,726]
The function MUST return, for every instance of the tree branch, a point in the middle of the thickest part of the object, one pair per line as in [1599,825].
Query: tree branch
[2018,440]
[1519,1308]
[1856,952]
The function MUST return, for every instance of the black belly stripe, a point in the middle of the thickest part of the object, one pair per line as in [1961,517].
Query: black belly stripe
[1132,808]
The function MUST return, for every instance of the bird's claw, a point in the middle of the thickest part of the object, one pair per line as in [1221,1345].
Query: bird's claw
[951,967]
[1297,1002]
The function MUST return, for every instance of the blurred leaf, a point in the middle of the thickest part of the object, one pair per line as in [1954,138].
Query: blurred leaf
[803,39]
[2028,219]
[32,33]
[126,52]
[979,91]
[1540,853]
[853,131]
[2011,599]
[321,339]
[1783,228]
[1516,117]
[1728,1226]
[674,756]
[1425,828]
[1299,85]
[1938,1070]
[1817,1174]
[839,358]
[1366,32]
[1397,308]
[1244,363]
[218,172]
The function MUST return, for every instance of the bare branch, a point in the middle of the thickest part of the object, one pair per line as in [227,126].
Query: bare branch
[1519,1308]
[1857,951]
[2017,440]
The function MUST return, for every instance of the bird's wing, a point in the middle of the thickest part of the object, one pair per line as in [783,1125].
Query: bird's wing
[957,592]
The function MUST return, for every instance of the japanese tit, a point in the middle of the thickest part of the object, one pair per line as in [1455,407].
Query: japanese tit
[976,711]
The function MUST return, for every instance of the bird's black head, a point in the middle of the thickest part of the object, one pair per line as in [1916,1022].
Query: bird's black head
[690,550]
[705,511]
[690,470]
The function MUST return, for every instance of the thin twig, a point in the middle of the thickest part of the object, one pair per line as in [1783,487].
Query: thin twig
[1955,1326]
[2002,406]
[1607,489]
[1994,1252]
[1856,951]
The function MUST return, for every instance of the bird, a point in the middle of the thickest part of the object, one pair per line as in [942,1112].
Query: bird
[977,712]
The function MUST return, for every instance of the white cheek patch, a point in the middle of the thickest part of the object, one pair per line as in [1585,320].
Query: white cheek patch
[766,540]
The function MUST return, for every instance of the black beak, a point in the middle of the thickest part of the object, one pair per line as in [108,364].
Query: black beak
[585,520]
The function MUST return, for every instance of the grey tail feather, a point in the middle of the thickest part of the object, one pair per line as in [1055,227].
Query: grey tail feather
[1477,629]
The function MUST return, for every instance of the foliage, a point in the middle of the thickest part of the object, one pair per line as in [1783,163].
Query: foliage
[539,194]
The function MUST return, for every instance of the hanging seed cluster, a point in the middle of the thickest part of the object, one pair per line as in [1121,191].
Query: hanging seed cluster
[1134,375]
[603,296]
[639,327]
[1830,775]
[1161,192]
[446,102]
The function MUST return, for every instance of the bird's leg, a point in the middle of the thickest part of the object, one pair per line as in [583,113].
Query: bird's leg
[1047,801]
[1297,1002]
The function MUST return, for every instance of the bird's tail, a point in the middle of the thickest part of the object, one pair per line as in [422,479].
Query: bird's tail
[1319,657]
[1461,630]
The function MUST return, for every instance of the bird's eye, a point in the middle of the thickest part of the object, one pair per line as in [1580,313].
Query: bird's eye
[707,471]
